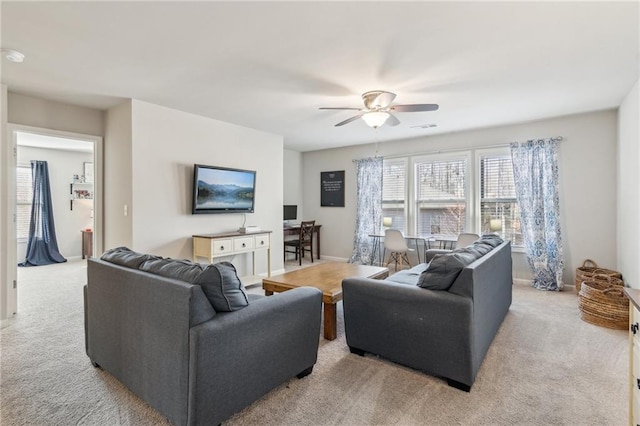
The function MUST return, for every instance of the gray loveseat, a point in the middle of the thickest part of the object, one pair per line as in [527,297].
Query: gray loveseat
[444,332]
[163,339]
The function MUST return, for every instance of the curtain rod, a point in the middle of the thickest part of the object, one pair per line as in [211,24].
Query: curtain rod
[445,151]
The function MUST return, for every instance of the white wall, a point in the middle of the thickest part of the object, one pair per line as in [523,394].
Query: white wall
[165,145]
[46,114]
[587,183]
[68,223]
[293,177]
[629,188]
[118,177]
[7,261]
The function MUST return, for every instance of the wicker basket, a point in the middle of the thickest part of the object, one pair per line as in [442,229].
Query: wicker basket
[604,304]
[590,268]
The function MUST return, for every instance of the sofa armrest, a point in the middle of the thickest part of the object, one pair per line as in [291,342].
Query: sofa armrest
[423,329]
[237,357]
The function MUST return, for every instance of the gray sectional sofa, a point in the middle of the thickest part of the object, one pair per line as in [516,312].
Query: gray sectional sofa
[151,323]
[440,317]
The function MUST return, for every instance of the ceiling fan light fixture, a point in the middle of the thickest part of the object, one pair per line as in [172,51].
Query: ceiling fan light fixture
[375,119]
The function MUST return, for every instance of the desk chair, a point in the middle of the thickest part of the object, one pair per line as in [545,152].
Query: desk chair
[398,250]
[304,240]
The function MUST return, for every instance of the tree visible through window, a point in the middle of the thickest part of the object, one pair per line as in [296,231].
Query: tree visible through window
[24,198]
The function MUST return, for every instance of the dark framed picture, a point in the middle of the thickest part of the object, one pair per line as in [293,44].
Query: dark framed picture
[332,189]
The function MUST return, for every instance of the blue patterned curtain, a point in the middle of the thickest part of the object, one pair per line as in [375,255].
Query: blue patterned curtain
[42,248]
[535,172]
[369,209]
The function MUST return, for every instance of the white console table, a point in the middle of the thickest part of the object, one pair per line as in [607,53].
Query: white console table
[210,246]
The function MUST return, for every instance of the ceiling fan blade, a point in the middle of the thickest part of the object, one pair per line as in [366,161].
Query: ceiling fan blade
[392,120]
[348,120]
[415,107]
[342,108]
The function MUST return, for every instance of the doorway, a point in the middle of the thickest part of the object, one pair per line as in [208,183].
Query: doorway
[75,172]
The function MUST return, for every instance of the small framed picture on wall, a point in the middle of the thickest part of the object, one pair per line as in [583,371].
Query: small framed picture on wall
[332,189]
[88,172]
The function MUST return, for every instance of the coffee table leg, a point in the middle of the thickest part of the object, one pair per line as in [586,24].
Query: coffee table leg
[330,321]
[268,293]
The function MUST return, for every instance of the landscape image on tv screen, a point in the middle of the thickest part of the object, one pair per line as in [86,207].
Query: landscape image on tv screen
[220,190]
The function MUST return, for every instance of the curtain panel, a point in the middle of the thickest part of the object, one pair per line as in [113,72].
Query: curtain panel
[535,171]
[368,209]
[42,247]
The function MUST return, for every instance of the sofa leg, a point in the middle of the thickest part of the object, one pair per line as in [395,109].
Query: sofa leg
[95,364]
[458,385]
[304,373]
[356,351]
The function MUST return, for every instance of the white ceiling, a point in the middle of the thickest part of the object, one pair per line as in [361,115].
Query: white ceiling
[53,142]
[270,65]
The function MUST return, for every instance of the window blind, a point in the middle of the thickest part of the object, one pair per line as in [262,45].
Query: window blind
[498,197]
[394,174]
[441,196]
[24,197]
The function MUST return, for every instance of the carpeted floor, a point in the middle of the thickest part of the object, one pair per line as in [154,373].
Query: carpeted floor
[545,367]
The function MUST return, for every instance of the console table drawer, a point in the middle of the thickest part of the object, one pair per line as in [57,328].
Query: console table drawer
[221,247]
[262,241]
[243,244]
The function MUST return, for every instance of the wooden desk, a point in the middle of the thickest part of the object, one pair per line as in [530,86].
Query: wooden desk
[295,230]
[87,243]
[210,246]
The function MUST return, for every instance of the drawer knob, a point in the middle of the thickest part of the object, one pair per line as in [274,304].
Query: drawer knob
[634,328]
[244,245]
[638,383]
[221,248]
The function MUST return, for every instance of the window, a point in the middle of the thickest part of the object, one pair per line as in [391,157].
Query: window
[498,197]
[24,197]
[393,192]
[452,193]
[441,196]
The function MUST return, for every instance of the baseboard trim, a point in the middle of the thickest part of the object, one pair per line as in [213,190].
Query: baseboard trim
[522,281]
[335,259]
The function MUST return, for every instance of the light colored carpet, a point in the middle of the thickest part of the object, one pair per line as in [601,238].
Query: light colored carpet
[545,367]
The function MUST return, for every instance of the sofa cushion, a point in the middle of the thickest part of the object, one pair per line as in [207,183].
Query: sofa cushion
[124,256]
[493,240]
[409,276]
[219,281]
[183,270]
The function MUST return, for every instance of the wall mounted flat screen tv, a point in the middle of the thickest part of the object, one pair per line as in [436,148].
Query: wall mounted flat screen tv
[223,190]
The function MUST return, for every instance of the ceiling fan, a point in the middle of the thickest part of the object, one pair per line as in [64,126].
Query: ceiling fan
[378,109]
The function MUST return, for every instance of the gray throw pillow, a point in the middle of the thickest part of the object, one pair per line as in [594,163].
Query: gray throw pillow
[441,273]
[124,256]
[445,268]
[222,287]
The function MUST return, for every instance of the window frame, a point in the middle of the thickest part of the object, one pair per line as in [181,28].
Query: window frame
[442,157]
[473,182]
[23,203]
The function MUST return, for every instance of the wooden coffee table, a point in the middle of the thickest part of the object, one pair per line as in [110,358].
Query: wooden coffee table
[326,277]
